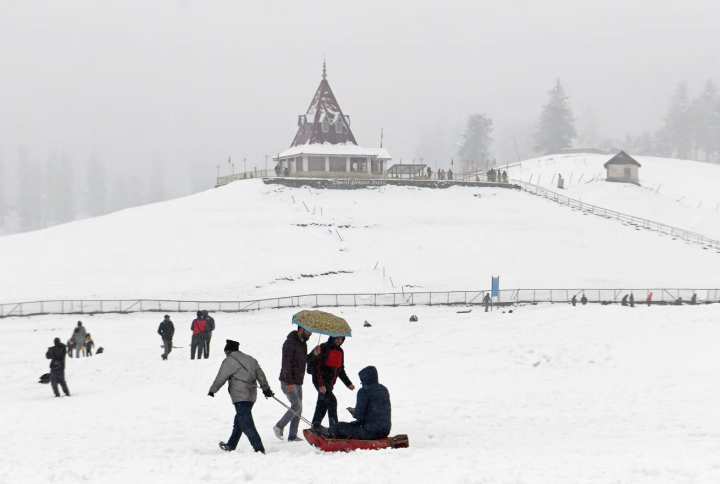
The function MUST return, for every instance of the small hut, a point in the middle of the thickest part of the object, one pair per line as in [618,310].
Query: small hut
[623,168]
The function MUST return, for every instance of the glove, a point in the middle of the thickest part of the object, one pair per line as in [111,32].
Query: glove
[211,394]
[268,393]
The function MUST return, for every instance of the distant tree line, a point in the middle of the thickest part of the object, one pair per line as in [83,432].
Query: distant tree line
[37,192]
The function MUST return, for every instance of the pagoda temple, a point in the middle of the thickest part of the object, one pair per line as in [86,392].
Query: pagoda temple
[324,145]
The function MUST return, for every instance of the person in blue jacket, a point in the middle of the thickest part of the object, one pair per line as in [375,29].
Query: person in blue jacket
[372,412]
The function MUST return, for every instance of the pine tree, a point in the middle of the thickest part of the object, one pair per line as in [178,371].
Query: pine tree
[59,198]
[4,210]
[474,150]
[703,117]
[31,185]
[677,133]
[556,130]
[96,196]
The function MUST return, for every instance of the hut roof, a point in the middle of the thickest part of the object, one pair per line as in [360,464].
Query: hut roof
[622,158]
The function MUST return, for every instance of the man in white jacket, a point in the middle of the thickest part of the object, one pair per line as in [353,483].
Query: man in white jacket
[243,374]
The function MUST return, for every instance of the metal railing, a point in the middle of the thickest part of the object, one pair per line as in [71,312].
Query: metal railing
[424,298]
[638,222]
[246,175]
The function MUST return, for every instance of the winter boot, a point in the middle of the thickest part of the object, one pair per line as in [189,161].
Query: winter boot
[225,447]
[278,432]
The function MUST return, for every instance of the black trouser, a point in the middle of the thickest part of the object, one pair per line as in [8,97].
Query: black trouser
[197,345]
[57,377]
[88,350]
[207,344]
[326,403]
[244,424]
[167,347]
[354,430]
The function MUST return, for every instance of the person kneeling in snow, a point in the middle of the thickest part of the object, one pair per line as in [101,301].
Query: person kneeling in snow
[372,411]
[243,373]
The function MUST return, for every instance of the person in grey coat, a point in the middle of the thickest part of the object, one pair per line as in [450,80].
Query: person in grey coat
[243,374]
[79,339]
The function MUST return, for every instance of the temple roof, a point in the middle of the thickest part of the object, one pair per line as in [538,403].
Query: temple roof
[324,121]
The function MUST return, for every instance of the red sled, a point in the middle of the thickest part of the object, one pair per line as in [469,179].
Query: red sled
[348,445]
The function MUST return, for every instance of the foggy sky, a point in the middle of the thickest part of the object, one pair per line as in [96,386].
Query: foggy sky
[196,81]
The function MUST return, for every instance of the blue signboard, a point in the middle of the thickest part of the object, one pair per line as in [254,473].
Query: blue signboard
[495,286]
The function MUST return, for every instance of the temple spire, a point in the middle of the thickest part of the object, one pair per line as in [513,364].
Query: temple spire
[324,74]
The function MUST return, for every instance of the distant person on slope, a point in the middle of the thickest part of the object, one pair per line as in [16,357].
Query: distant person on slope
[327,363]
[372,411]
[243,374]
[197,342]
[166,330]
[79,339]
[208,334]
[292,375]
[56,355]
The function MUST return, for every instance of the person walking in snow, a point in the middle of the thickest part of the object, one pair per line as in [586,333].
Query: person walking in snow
[89,345]
[166,330]
[243,374]
[649,298]
[79,339]
[631,300]
[208,333]
[583,300]
[292,375]
[70,346]
[573,301]
[372,411]
[624,300]
[449,175]
[56,355]
[197,341]
[327,363]
[487,301]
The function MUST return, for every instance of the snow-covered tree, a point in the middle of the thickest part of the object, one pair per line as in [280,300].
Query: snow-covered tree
[556,129]
[474,150]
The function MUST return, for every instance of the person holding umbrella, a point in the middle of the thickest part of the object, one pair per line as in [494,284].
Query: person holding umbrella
[326,363]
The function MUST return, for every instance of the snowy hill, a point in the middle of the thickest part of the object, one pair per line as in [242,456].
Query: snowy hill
[248,239]
[551,395]
[682,193]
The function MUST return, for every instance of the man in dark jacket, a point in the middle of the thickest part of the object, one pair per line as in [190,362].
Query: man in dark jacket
[327,364]
[56,355]
[197,341]
[166,330]
[208,333]
[292,375]
[372,411]
[244,375]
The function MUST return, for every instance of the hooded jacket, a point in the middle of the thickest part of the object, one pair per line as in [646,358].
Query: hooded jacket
[328,366]
[294,354]
[243,374]
[373,410]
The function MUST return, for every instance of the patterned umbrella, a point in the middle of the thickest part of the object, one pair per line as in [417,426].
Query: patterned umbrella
[322,323]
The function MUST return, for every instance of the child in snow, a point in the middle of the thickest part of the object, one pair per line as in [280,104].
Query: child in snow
[70,346]
[89,345]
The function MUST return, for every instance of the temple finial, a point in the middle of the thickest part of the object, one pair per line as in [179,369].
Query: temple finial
[324,74]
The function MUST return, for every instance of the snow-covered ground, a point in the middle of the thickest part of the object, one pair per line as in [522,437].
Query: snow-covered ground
[682,193]
[553,394]
[249,240]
